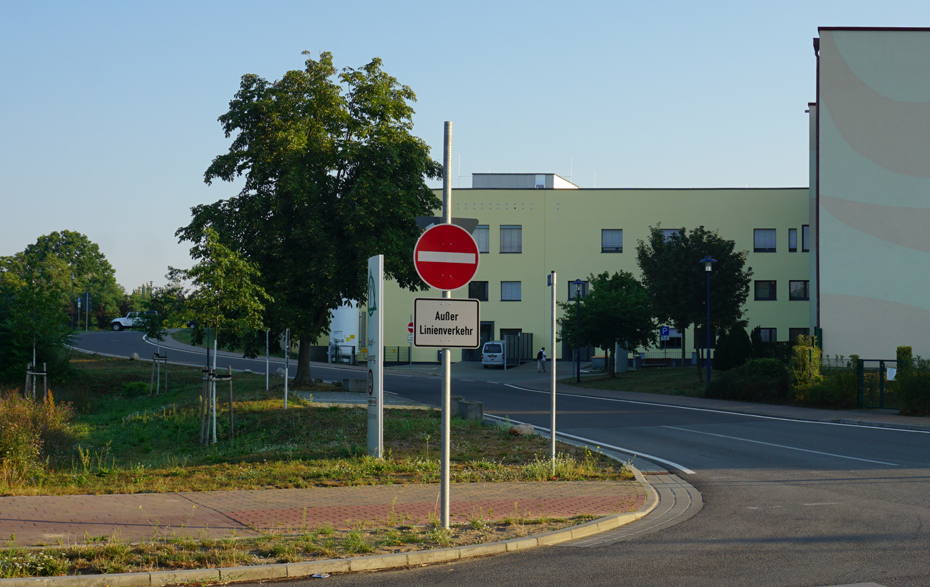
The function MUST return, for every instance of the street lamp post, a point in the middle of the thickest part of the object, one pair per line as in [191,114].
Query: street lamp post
[707,260]
[71,304]
[578,283]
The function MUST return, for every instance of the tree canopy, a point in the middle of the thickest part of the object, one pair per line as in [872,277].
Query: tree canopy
[83,259]
[617,309]
[676,279]
[333,176]
[225,296]
[33,315]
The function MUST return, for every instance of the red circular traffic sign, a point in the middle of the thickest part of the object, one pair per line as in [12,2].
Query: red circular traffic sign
[410,327]
[446,256]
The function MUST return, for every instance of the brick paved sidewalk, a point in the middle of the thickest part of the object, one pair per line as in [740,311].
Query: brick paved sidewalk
[52,519]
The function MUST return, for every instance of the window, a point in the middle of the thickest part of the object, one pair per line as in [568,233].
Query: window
[668,233]
[764,240]
[805,238]
[478,290]
[611,240]
[765,290]
[482,236]
[769,334]
[792,240]
[511,239]
[794,333]
[510,291]
[573,289]
[799,290]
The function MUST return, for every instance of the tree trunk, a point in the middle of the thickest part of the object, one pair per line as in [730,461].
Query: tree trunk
[303,376]
[611,357]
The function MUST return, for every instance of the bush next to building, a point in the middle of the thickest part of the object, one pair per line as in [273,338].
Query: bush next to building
[734,348]
[912,386]
[759,380]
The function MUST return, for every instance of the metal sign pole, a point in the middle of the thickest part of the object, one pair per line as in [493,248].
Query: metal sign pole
[287,362]
[446,353]
[376,358]
[552,374]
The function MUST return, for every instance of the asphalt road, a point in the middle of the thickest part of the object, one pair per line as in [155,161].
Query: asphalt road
[786,502]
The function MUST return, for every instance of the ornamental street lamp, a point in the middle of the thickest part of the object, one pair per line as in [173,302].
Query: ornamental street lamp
[578,283]
[707,268]
[71,304]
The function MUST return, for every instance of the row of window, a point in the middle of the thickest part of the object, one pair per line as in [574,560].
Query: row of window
[766,290]
[512,291]
[511,239]
[765,240]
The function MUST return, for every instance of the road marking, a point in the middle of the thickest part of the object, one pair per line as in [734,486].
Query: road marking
[816,452]
[714,411]
[598,444]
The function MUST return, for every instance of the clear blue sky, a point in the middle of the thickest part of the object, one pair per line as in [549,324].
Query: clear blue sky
[108,109]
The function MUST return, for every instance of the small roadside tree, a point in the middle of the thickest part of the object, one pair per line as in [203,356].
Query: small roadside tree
[225,297]
[676,279]
[34,322]
[617,309]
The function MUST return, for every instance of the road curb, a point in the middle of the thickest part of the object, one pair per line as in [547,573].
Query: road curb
[346,565]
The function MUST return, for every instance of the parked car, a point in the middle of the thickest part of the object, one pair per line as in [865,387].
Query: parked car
[492,354]
[129,320]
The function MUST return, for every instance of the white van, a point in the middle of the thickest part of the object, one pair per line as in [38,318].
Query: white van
[492,354]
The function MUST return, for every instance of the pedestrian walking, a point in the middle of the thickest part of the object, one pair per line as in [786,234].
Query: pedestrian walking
[541,360]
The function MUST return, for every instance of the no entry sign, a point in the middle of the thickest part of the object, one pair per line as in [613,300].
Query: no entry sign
[446,256]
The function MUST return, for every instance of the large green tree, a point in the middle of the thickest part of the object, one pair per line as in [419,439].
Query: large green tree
[676,279]
[333,176]
[92,272]
[617,309]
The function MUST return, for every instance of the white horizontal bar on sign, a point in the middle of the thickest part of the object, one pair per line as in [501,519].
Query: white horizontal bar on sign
[441,257]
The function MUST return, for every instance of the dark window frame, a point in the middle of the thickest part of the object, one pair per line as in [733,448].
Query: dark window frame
[807,290]
[519,299]
[608,249]
[755,243]
[773,288]
[482,298]
[519,229]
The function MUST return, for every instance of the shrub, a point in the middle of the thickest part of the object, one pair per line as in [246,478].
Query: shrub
[912,387]
[905,359]
[733,349]
[30,432]
[838,389]
[759,380]
[805,362]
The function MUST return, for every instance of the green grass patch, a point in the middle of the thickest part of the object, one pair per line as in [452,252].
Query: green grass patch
[121,439]
[682,381]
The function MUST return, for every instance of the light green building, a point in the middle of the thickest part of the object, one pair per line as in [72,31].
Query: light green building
[527,231]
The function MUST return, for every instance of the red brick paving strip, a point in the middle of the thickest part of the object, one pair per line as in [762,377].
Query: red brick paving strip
[48,519]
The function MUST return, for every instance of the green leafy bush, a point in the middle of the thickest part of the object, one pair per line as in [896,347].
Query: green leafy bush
[912,387]
[759,380]
[30,432]
[838,389]
[806,360]
[734,348]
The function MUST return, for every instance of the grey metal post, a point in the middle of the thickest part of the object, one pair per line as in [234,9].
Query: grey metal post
[446,353]
[267,359]
[552,374]
[287,362]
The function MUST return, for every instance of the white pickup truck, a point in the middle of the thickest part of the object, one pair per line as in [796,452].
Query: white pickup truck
[129,320]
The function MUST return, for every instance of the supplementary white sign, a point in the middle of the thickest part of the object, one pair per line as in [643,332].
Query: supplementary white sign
[446,323]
